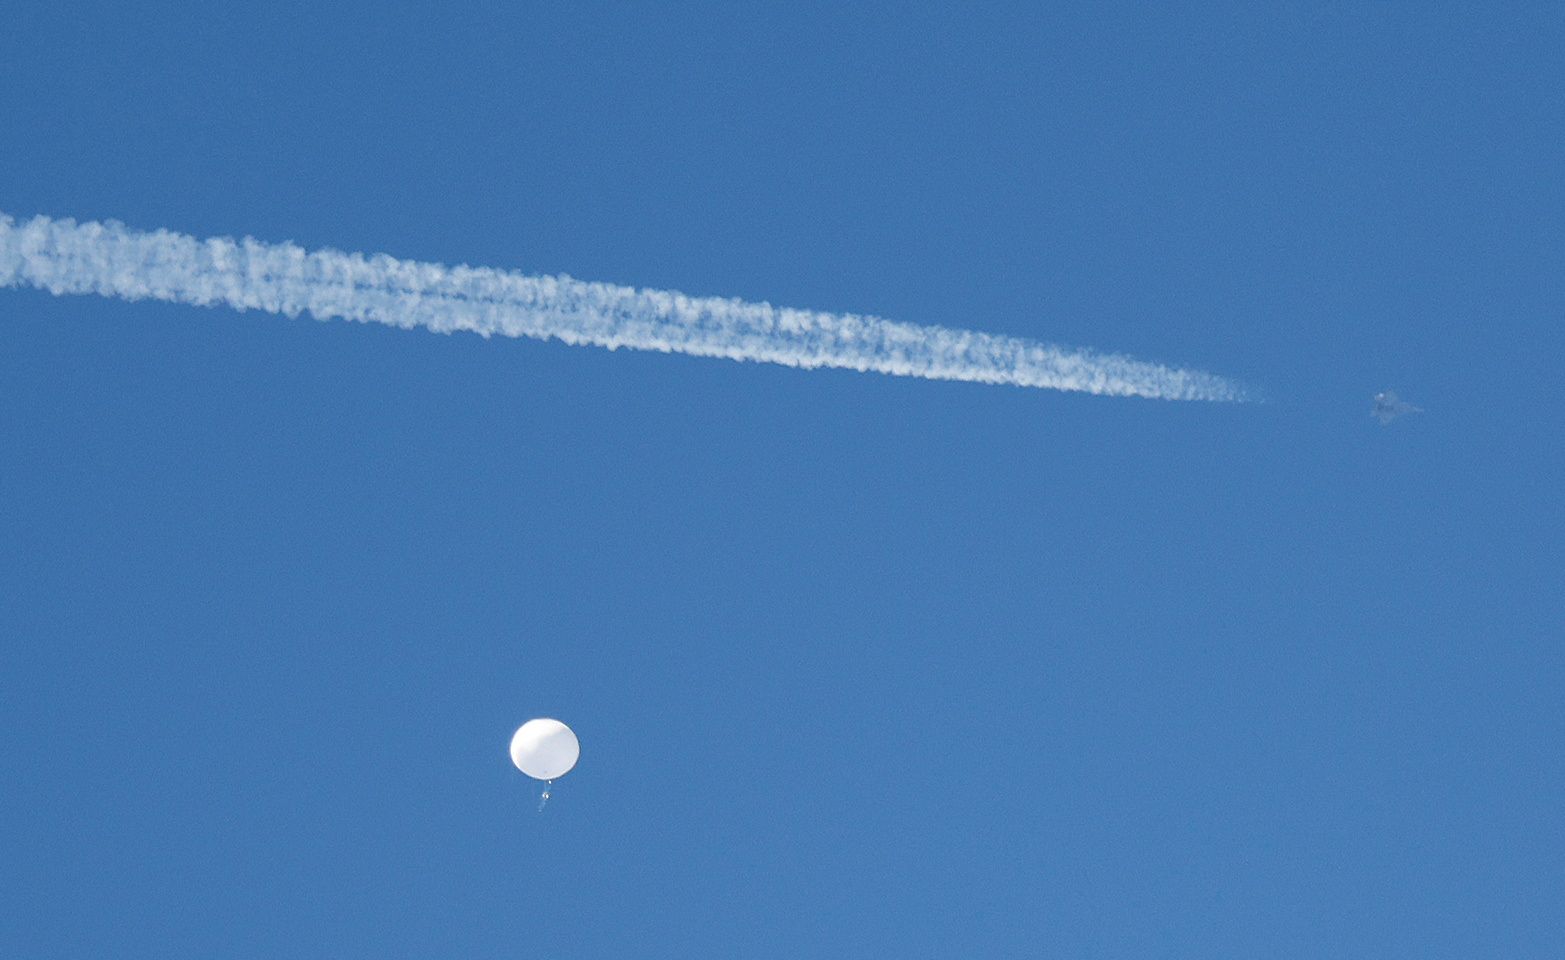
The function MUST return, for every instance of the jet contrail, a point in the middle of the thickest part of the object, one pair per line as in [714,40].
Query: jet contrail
[112,260]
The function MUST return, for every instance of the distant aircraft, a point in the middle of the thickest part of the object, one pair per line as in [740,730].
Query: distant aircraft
[1388,406]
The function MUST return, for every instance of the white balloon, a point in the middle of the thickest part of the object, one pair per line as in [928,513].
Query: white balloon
[544,749]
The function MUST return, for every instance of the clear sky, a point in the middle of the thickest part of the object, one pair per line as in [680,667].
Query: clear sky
[861,666]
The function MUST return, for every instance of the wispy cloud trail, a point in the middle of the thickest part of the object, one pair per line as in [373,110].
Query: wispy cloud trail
[112,260]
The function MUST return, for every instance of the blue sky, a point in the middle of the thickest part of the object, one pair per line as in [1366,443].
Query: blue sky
[861,666]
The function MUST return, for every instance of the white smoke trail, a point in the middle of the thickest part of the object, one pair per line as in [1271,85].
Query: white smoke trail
[109,259]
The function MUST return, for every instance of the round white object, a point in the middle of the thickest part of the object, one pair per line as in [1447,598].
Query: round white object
[544,749]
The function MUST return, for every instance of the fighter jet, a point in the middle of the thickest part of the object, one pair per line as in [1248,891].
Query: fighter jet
[1388,406]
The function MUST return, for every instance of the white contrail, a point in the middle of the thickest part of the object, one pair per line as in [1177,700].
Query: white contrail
[109,259]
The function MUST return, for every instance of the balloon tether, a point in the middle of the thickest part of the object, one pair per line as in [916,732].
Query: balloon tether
[547,785]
